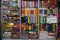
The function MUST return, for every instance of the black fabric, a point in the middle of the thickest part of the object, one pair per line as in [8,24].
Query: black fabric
[24,19]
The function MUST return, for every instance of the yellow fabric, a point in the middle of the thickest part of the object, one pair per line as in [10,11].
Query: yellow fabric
[53,27]
[29,27]
[40,19]
[36,24]
[24,27]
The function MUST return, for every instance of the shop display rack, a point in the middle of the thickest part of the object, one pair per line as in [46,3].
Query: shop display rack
[25,19]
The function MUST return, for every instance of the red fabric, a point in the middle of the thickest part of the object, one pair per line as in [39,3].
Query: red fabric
[27,27]
[53,2]
[34,3]
[23,11]
[58,16]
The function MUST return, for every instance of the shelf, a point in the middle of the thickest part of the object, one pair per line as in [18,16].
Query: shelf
[30,8]
[30,22]
[42,9]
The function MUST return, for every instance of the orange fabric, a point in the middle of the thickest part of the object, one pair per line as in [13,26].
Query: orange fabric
[29,11]
[36,12]
[22,25]
[16,25]
[26,11]
[29,19]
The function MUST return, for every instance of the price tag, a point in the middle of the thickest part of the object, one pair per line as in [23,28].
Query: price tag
[52,19]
